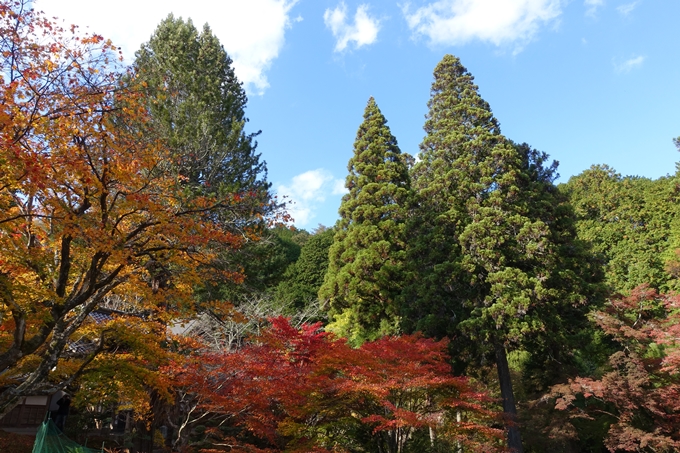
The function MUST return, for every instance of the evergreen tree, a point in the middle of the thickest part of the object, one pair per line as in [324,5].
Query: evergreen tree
[265,265]
[198,104]
[489,246]
[301,281]
[367,255]
[630,222]
[197,107]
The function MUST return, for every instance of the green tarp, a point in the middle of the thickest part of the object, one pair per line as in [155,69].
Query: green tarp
[51,440]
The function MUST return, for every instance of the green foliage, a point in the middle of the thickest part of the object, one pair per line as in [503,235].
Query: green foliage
[493,254]
[198,104]
[367,256]
[494,249]
[264,263]
[300,283]
[632,224]
[197,107]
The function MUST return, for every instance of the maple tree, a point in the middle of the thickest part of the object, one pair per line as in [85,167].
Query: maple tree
[89,206]
[641,391]
[303,390]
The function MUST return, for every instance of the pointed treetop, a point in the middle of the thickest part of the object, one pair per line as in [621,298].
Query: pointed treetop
[376,166]
[455,99]
[366,258]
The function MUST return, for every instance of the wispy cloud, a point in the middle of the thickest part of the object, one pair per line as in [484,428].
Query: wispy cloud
[629,64]
[362,32]
[307,191]
[592,6]
[252,32]
[627,8]
[500,22]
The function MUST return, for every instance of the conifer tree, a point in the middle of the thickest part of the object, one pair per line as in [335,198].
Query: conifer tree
[630,222]
[483,258]
[301,281]
[367,255]
[198,103]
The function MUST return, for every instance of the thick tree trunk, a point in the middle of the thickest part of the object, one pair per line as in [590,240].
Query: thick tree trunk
[509,408]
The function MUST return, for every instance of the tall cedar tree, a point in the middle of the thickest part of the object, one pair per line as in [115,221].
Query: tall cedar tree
[492,251]
[366,258]
[198,104]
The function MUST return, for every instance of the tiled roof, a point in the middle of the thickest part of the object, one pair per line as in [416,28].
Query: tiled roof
[101,317]
[80,347]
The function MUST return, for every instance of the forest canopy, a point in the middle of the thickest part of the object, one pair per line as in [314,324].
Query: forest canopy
[463,301]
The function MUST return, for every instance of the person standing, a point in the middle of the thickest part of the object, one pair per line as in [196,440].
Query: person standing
[64,404]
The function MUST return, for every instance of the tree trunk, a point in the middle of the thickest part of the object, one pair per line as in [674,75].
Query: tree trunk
[459,446]
[509,408]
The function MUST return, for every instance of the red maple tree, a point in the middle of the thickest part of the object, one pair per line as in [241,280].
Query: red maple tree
[641,392]
[303,390]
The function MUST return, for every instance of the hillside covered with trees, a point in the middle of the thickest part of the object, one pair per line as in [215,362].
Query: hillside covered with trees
[463,302]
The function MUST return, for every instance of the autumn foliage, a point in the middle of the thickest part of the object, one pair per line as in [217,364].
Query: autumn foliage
[123,197]
[641,391]
[304,390]
[90,207]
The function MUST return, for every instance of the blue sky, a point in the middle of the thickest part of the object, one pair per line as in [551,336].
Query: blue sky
[589,82]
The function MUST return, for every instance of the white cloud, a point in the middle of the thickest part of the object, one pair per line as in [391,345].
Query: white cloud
[592,6]
[307,191]
[455,22]
[627,8]
[252,31]
[339,187]
[363,32]
[629,64]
